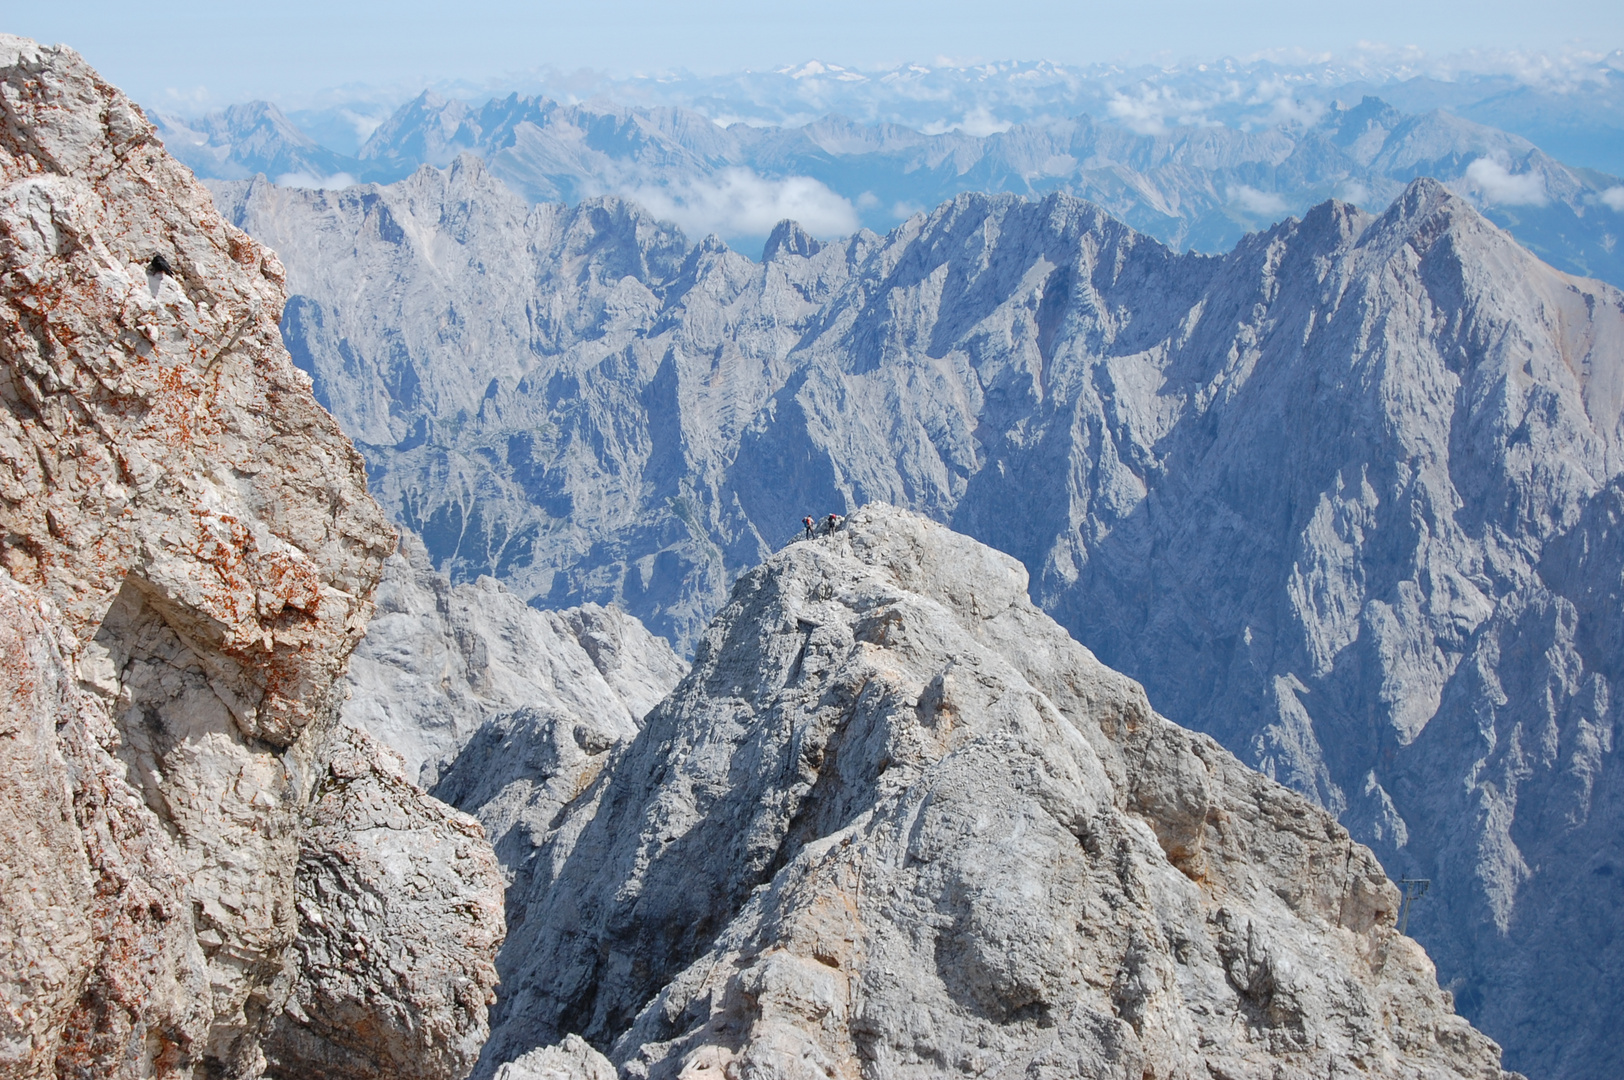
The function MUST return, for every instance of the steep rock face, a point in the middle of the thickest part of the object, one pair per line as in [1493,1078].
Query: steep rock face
[441,659]
[897,823]
[1293,490]
[569,329]
[189,553]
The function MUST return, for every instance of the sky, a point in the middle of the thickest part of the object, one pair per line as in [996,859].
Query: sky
[181,52]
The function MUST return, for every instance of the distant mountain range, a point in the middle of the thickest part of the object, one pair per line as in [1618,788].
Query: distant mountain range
[1196,172]
[1348,497]
[1571,106]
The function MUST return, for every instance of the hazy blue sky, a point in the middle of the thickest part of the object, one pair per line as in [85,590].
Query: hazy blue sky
[222,51]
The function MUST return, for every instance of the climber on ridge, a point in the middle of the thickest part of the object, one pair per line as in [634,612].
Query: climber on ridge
[832,522]
[808,523]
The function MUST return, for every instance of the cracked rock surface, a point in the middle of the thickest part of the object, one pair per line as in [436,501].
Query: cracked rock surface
[400,906]
[187,558]
[896,822]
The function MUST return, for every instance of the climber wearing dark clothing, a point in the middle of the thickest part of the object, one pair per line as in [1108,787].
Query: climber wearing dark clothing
[808,523]
[832,522]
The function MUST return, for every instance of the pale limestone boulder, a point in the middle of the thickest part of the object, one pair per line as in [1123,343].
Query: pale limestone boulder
[571,1059]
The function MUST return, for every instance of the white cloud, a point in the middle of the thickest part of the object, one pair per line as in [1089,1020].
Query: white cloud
[867,201]
[978,122]
[1253,201]
[738,202]
[1614,197]
[1354,192]
[363,124]
[1143,115]
[1285,107]
[305,180]
[1499,186]
[778,119]
[1291,110]
[1149,113]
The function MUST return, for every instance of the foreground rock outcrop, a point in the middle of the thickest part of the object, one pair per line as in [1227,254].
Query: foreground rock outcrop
[896,822]
[400,907]
[187,558]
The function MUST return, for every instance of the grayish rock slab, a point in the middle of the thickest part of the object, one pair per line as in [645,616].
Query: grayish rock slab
[441,659]
[571,1059]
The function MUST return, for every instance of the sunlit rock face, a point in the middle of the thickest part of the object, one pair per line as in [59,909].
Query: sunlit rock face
[897,823]
[189,554]
[441,659]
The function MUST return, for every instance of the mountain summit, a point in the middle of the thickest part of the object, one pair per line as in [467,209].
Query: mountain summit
[897,823]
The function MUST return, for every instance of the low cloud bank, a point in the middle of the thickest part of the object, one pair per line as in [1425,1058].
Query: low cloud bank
[979,122]
[322,183]
[1150,112]
[1499,186]
[1253,201]
[739,202]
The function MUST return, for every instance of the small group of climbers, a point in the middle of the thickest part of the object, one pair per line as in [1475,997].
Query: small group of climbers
[830,524]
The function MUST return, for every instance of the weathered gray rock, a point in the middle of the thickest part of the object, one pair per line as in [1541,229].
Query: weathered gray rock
[188,554]
[1293,489]
[439,660]
[897,823]
[400,905]
[572,1059]
[535,390]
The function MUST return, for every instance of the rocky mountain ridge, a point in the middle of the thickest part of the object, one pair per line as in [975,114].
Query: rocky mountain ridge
[196,854]
[896,822]
[1310,492]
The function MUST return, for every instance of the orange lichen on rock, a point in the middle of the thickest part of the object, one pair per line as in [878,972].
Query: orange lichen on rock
[152,416]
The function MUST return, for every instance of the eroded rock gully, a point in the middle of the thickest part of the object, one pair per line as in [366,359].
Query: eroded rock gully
[896,823]
[189,554]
